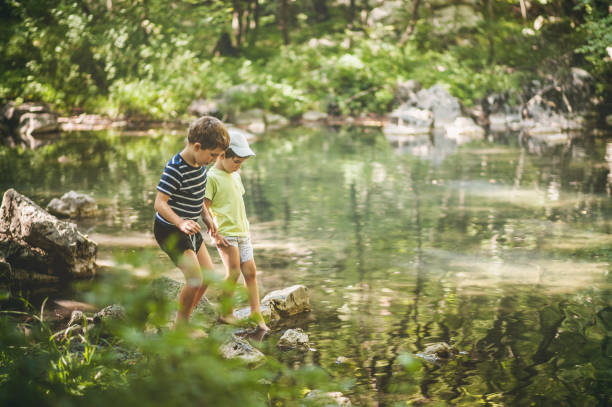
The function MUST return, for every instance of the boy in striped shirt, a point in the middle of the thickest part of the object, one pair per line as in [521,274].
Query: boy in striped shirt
[179,204]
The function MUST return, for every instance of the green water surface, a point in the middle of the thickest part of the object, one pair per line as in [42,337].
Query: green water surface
[501,248]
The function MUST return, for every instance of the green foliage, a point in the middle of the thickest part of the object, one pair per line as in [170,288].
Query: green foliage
[135,365]
[597,47]
[153,59]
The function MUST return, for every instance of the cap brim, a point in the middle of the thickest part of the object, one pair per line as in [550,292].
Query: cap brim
[243,152]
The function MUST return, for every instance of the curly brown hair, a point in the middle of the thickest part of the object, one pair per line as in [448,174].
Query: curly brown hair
[210,132]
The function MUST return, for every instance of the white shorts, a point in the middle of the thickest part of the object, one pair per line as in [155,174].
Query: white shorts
[243,243]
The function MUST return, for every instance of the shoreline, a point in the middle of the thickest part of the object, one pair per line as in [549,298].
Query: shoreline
[94,122]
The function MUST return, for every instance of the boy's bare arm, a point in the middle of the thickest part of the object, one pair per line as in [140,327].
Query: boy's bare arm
[208,219]
[187,226]
[219,239]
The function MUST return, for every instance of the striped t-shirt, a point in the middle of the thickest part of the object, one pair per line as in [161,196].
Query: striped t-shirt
[185,185]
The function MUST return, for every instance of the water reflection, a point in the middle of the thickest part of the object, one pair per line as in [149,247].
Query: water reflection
[496,247]
[434,147]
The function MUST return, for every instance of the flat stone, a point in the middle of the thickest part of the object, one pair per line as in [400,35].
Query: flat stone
[237,348]
[463,127]
[314,116]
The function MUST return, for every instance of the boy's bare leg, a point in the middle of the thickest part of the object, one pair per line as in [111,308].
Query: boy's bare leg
[193,281]
[206,266]
[231,260]
[249,272]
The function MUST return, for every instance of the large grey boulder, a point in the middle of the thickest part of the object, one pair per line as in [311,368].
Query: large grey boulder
[407,120]
[33,239]
[203,107]
[405,91]
[560,103]
[73,205]
[26,124]
[33,125]
[288,301]
[37,123]
[280,304]
[445,108]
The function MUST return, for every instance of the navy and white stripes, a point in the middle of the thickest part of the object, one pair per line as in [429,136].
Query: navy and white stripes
[185,185]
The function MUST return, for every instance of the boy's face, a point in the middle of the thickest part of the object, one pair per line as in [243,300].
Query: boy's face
[205,157]
[232,164]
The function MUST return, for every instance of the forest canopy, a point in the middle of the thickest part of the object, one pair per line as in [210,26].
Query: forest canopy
[153,58]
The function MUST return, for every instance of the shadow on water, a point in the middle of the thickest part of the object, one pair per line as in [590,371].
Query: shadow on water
[499,247]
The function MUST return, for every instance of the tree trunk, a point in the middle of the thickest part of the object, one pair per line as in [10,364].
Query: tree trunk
[321,10]
[224,45]
[489,10]
[284,20]
[237,23]
[255,23]
[413,20]
[352,9]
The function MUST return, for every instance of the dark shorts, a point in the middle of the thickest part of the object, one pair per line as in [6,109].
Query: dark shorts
[174,242]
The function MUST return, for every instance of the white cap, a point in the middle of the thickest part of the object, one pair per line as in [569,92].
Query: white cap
[240,145]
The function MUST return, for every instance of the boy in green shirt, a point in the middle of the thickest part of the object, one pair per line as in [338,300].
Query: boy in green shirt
[223,196]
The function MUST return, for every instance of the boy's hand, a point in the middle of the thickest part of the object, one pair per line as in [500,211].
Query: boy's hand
[210,225]
[221,241]
[189,227]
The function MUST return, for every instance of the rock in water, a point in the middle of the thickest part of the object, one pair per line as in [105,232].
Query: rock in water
[237,348]
[289,301]
[438,352]
[445,108]
[33,239]
[73,205]
[294,338]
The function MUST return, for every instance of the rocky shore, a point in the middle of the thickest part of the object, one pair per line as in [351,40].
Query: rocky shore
[545,108]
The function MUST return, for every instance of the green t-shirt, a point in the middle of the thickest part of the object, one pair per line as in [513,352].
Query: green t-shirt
[225,191]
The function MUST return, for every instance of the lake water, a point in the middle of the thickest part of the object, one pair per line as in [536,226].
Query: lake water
[501,248]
